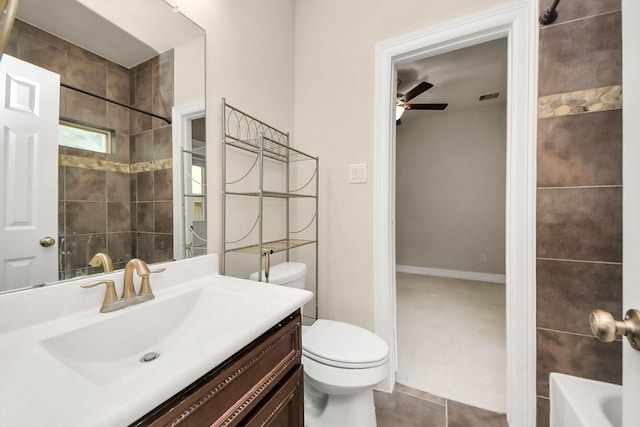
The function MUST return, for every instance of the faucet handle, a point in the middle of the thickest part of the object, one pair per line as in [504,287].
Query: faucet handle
[145,293]
[110,302]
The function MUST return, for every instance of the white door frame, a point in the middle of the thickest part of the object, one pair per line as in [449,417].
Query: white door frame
[630,202]
[517,21]
[181,118]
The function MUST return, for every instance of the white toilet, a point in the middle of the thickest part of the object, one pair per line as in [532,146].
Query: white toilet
[342,364]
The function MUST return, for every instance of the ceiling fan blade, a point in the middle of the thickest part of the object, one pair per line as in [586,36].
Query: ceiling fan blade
[422,87]
[425,106]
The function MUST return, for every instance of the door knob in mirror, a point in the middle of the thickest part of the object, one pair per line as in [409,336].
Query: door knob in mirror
[45,242]
[606,328]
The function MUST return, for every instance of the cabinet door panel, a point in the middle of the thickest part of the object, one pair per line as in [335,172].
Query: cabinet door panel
[285,408]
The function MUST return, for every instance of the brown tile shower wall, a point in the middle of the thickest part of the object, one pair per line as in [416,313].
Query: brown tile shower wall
[151,177]
[579,206]
[96,202]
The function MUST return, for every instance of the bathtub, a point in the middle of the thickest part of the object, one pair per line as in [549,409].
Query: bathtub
[579,402]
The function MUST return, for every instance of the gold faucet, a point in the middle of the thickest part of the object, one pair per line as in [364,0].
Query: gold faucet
[129,296]
[102,259]
[128,291]
[111,302]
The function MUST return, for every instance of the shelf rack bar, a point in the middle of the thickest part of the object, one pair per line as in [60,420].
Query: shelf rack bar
[261,207]
[223,254]
[271,194]
[194,153]
[287,200]
[317,288]
[275,246]
[183,204]
[252,145]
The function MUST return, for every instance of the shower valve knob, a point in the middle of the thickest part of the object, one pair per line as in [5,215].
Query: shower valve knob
[606,328]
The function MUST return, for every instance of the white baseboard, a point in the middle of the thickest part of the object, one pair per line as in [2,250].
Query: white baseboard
[454,274]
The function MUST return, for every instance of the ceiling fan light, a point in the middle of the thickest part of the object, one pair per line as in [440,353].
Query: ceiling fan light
[399,111]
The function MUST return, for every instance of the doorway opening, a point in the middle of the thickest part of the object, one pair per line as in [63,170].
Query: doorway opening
[450,226]
[516,22]
[189,174]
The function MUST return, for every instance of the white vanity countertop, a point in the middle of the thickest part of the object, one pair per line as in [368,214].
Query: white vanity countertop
[38,387]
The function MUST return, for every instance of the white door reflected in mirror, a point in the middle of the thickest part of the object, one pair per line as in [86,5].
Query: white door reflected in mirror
[29,184]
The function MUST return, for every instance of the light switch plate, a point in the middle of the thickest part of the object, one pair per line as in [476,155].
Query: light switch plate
[358,173]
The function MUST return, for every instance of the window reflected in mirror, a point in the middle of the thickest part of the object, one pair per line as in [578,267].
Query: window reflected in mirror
[84,137]
[197,188]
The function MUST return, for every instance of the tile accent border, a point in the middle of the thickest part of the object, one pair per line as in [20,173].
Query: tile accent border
[580,101]
[152,165]
[87,163]
[110,166]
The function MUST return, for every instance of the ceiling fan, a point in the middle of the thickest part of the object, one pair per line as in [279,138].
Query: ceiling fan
[402,101]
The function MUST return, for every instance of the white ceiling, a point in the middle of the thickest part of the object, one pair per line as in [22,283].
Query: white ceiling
[123,31]
[459,78]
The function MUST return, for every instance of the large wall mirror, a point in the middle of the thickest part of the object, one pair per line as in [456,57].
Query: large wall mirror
[102,146]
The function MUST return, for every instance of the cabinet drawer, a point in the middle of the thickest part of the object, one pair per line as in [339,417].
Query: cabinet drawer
[227,395]
[285,407]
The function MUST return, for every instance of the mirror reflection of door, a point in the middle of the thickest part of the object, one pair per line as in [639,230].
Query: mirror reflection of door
[28,184]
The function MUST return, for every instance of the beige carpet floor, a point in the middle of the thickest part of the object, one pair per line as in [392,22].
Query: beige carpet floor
[451,339]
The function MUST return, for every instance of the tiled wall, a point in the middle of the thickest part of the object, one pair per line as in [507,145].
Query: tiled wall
[151,172]
[95,190]
[579,207]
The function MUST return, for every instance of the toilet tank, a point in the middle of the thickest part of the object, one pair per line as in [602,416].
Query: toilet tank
[289,274]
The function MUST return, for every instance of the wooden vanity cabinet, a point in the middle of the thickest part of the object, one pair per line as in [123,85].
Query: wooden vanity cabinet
[261,385]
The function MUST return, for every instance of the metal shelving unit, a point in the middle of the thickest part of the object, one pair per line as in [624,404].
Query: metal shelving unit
[263,144]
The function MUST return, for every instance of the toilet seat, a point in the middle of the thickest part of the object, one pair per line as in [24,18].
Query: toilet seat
[343,345]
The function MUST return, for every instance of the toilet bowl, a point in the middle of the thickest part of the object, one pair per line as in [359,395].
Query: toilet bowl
[342,364]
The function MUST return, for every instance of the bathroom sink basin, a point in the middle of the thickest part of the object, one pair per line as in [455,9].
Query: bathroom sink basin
[58,349]
[113,346]
[580,402]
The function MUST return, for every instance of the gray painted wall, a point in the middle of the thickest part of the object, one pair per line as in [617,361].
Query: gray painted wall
[450,194]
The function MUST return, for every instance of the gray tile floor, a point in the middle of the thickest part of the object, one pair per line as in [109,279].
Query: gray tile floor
[407,407]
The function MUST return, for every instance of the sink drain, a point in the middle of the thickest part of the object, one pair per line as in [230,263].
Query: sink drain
[149,357]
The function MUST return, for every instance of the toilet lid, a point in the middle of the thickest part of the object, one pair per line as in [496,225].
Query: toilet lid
[342,344]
